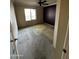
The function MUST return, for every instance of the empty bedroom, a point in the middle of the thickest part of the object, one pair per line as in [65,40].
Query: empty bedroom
[33,26]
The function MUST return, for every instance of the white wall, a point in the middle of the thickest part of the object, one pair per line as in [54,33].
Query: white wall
[56,22]
[13,23]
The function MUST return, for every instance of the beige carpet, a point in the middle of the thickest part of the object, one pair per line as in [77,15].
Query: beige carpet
[45,29]
[35,42]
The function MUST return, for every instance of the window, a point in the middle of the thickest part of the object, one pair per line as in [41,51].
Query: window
[30,14]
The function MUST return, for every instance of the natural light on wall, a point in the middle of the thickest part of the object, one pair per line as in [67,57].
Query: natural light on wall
[30,14]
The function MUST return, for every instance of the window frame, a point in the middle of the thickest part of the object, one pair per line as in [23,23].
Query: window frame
[30,14]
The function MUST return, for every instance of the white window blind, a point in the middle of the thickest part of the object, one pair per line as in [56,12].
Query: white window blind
[30,14]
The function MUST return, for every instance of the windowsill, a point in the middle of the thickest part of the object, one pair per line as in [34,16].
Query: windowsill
[30,20]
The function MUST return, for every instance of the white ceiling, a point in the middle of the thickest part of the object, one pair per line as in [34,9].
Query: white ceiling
[32,2]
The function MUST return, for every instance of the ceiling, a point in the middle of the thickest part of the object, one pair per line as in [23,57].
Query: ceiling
[32,2]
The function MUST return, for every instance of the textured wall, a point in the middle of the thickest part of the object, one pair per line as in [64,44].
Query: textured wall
[19,9]
[49,14]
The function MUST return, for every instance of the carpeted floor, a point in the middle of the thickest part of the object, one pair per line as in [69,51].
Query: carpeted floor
[35,42]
